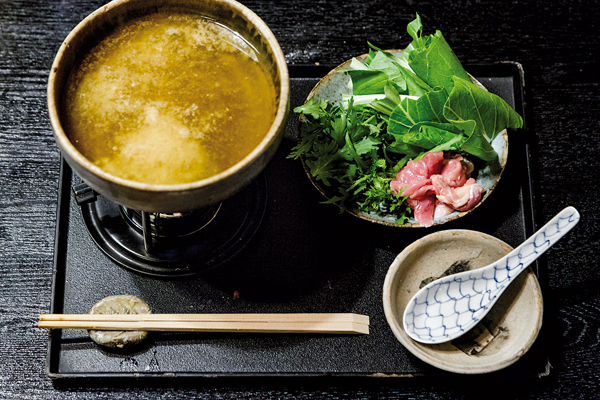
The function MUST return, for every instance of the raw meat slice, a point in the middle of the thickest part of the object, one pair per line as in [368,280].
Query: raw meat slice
[437,185]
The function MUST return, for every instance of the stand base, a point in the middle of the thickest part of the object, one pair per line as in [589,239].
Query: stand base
[232,227]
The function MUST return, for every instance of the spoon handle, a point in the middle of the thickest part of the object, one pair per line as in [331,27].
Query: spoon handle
[539,242]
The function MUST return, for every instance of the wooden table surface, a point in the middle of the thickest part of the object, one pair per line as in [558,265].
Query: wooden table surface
[555,41]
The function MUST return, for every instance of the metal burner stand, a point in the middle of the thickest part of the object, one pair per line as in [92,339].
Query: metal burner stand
[179,244]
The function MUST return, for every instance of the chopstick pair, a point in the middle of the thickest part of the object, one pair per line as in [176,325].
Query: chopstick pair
[333,323]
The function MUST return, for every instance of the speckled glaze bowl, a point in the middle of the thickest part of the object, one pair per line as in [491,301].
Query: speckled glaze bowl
[177,197]
[501,338]
[336,83]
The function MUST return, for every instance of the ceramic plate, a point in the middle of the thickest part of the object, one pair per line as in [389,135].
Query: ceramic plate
[336,83]
[501,338]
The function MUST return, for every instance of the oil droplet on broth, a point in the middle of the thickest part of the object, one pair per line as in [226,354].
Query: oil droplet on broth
[168,98]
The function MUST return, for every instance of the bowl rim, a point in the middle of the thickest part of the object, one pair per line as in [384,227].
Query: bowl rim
[415,348]
[271,136]
[366,216]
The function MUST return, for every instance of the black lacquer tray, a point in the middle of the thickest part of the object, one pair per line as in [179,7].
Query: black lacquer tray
[304,257]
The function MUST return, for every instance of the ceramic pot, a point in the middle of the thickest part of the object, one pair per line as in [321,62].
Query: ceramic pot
[176,197]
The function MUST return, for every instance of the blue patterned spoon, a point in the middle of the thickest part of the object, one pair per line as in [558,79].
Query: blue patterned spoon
[448,307]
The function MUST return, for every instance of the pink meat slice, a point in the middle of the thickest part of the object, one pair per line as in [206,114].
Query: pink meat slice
[442,209]
[436,186]
[434,162]
[461,198]
[415,177]
[453,173]
[424,209]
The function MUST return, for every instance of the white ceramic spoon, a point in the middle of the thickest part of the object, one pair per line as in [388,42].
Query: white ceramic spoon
[448,307]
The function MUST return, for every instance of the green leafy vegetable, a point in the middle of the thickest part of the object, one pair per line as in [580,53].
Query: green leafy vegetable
[400,108]
[427,108]
[467,104]
[432,59]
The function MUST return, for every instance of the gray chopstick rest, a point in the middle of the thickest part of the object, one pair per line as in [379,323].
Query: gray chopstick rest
[119,304]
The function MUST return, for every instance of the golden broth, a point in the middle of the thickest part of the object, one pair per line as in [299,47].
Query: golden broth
[168,98]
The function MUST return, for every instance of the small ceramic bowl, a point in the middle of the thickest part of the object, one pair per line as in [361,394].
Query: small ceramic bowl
[501,338]
[337,83]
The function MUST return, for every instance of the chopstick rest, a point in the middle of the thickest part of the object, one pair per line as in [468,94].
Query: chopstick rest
[331,323]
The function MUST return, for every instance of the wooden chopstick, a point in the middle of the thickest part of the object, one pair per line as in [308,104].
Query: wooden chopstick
[272,317]
[341,323]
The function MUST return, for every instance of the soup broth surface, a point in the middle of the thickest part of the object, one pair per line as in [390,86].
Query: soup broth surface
[169,98]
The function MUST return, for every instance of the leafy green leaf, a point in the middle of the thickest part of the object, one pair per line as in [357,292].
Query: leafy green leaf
[469,105]
[367,145]
[429,135]
[399,147]
[414,85]
[401,120]
[429,107]
[312,108]
[367,81]
[322,167]
[338,128]
[410,113]
[452,144]
[436,63]
[415,28]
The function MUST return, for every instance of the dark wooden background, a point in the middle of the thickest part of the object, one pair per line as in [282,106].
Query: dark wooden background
[557,43]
